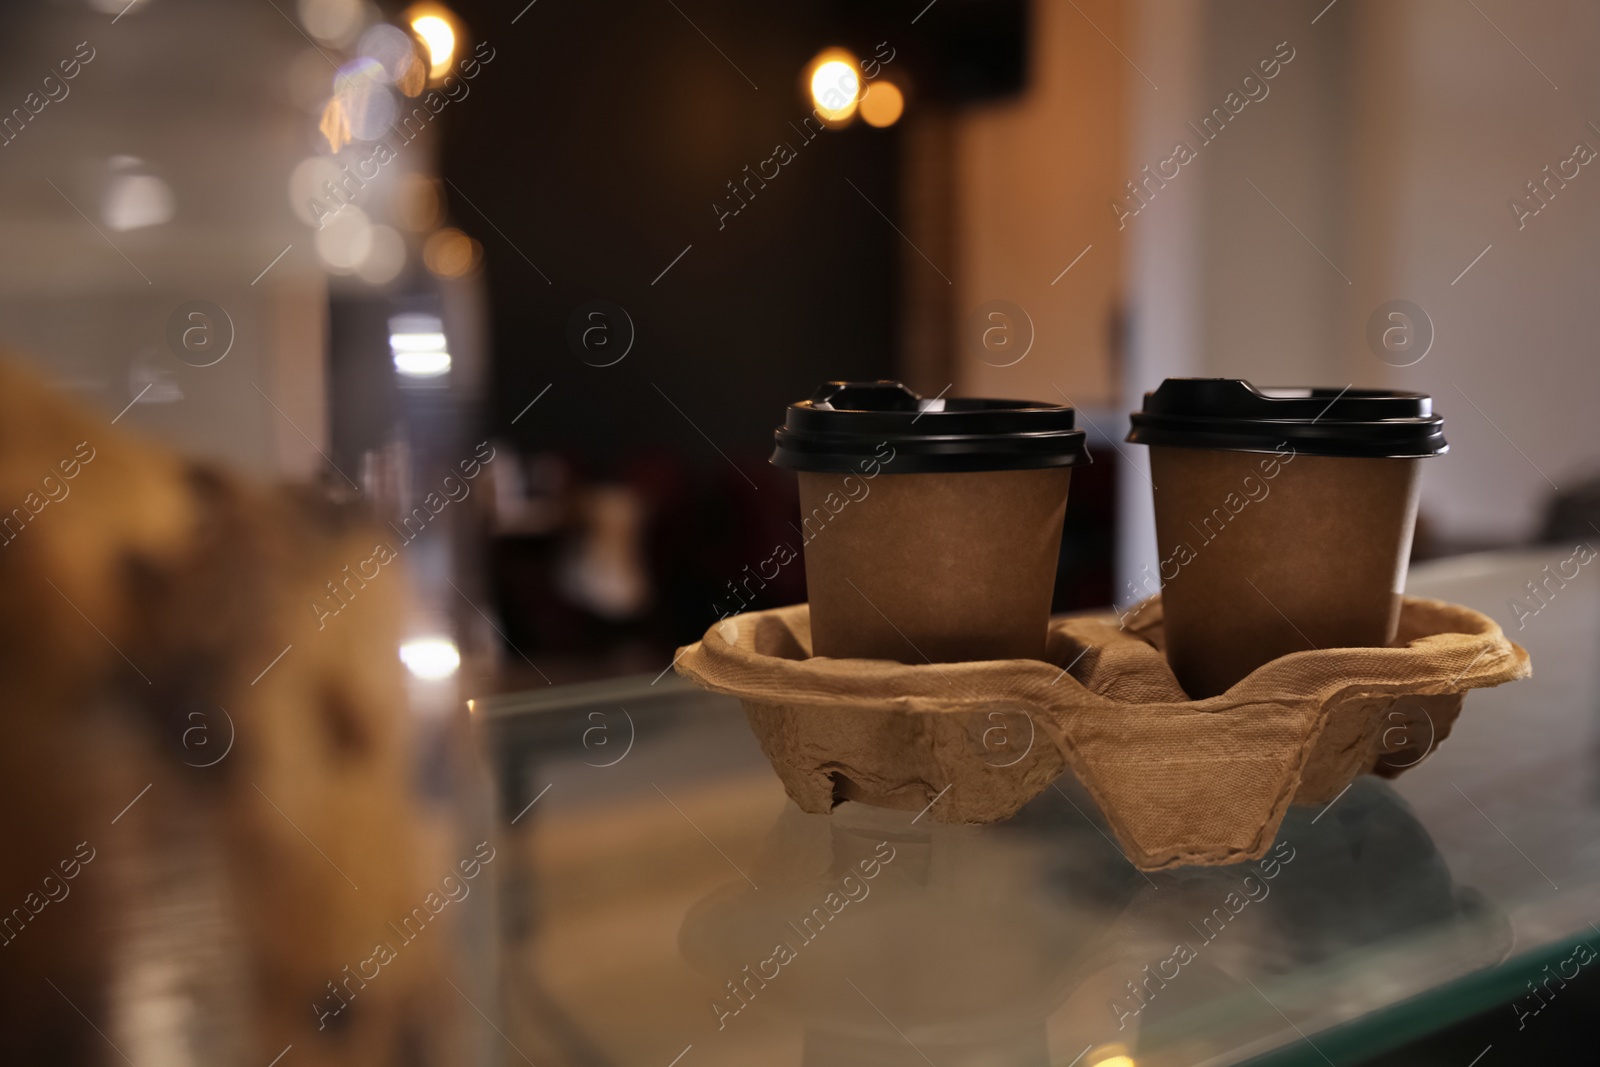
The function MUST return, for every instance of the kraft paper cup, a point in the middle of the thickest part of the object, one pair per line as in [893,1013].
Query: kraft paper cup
[935,567]
[1284,519]
[932,528]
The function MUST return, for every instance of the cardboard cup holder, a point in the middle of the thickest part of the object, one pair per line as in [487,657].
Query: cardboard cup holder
[1179,781]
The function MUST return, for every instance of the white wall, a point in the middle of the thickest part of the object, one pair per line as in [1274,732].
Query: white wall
[1475,121]
[1392,143]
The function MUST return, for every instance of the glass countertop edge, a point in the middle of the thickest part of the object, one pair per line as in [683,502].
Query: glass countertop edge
[1429,1012]
[637,688]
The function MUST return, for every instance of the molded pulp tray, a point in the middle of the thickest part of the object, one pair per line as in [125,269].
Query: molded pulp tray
[1179,781]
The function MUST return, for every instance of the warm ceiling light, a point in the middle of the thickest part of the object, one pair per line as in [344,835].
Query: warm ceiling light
[882,105]
[440,37]
[835,85]
[449,253]
[431,658]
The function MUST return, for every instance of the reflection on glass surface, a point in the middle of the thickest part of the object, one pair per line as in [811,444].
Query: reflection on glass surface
[917,939]
[958,943]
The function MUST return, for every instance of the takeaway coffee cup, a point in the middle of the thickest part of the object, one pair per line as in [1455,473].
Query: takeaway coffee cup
[931,527]
[1283,518]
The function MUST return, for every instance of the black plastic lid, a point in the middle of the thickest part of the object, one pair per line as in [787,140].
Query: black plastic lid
[1232,415]
[846,423]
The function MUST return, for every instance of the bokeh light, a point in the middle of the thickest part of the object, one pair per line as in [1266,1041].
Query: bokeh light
[835,85]
[431,658]
[438,35]
[1111,1055]
[308,189]
[345,240]
[333,22]
[134,200]
[361,91]
[882,105]
[450,253]
[396,52]
[417,343]
[385,259]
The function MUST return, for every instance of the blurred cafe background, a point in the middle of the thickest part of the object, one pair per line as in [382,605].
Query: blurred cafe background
[595,248]
[628,216]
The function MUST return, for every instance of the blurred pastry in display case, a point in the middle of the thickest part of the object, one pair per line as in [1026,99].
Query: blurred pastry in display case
[215,850]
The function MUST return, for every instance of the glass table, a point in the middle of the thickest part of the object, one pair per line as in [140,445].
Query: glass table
[666,904]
